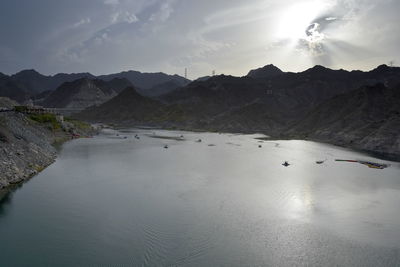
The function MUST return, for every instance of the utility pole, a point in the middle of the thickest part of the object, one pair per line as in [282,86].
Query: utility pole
[185,73]
[213,73]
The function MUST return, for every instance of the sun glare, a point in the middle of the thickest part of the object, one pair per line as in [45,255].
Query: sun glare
[297,19]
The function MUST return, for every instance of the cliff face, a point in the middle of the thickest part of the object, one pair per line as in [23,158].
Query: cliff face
[367,118]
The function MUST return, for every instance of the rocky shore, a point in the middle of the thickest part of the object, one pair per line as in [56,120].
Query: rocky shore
[27,143]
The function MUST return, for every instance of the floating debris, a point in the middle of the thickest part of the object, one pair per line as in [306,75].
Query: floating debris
[372,165]
[233,144]
[211,145]
[176,138]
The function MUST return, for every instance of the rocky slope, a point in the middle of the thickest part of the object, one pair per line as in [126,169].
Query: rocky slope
[26,142]
[367,118]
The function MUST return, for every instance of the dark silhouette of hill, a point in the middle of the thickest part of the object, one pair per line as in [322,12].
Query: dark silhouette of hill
[27,84]
[33,82]
[146,81]
[129,107]
[84,92]
[161,89]
[265,72]
[10,89]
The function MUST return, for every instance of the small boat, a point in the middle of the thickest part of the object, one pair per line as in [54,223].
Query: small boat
[320,161]
[286,164]
[166,146]
[198,141]
[260,146]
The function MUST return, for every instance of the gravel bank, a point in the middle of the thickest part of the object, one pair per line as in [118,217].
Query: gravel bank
[26,146]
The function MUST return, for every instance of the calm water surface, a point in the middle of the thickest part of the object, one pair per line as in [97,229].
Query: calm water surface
[111,201]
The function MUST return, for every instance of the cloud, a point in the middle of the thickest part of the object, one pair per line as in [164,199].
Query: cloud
[330,18]
[111,2]
[123,16]
[164,11]
[81,22]
[231,36]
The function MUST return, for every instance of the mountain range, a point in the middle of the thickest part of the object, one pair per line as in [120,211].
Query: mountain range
[280,104]
[349,108]
[30,84]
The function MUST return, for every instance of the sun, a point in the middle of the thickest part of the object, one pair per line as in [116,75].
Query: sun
[297,21]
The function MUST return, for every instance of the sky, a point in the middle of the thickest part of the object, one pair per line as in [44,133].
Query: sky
[228,36]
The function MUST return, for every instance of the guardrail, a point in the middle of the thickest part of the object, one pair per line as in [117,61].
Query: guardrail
[6,109]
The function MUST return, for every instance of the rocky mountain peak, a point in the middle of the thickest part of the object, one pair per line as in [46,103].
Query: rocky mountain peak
[267,71]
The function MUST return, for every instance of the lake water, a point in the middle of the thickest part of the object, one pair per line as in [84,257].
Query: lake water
[122,201]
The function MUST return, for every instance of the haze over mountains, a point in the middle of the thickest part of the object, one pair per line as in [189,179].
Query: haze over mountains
[29,84]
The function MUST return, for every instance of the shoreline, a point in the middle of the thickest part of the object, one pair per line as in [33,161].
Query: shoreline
[37,169]
[274,137]
[374,153]
[27,147]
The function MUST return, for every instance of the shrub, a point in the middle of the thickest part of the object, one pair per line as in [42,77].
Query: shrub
[46,118]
